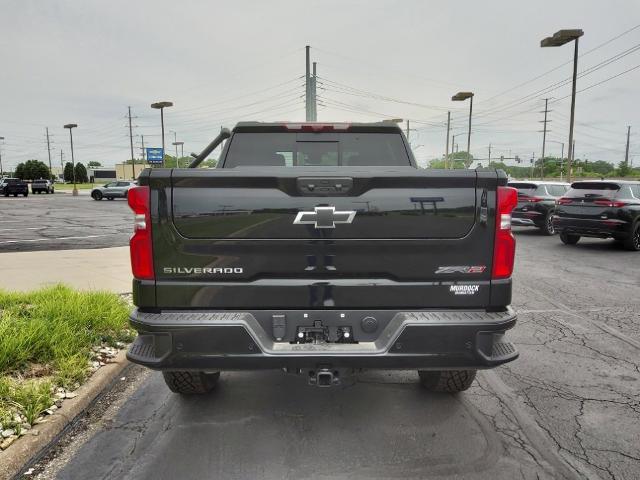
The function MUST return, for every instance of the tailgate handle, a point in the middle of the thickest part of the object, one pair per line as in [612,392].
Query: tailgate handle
[324,186]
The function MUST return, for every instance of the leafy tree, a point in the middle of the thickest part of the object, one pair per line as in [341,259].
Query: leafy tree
[623,169]
[209,163]
[93,164]
[601,167]
[20,173]
[32,169]
[68,172]
[81,173]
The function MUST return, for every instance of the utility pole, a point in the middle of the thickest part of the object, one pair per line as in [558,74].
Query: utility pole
[314,99]
[133,161]
[144,156]
[308,113]
[408,133]
[49,150]
[544,137]
[446,155]
[489,153]
[626,153]
[62,165]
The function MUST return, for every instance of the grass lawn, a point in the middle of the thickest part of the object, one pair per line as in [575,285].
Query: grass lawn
[46,342]
[79,186]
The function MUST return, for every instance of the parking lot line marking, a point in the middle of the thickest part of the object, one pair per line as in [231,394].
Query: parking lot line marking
[57,238]
[26,228]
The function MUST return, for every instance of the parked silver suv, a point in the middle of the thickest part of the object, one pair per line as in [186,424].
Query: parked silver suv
[112,190]
[42,185]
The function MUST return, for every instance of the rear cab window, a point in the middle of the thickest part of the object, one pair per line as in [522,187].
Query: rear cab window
[293,149]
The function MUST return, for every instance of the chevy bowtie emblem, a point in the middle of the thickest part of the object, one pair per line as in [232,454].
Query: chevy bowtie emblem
[324,217]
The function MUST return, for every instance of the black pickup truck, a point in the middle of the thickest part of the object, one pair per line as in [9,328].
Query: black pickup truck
[321,249]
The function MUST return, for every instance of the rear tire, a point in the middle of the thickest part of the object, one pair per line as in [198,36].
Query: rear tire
[448,381]
[547,227]
[97,195]
[569,239]
[633,242]
[191,383]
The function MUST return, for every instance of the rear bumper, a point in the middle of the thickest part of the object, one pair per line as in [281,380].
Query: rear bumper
[208,340]
[599,228]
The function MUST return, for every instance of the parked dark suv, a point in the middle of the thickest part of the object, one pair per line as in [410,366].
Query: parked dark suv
[13,186]
[536,204]
[601,209]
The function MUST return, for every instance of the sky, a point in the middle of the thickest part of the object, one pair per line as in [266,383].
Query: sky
[85,62]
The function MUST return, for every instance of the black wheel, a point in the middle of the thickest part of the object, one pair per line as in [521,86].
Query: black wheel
[191,383]
[25,194]
[96,195]
[6,194]
[633,242]
[15,194]
[569,239]
[449,381]
[547,228]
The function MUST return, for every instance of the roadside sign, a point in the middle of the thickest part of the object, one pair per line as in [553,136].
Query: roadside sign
[155,155]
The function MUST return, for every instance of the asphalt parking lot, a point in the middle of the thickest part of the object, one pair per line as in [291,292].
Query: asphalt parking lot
[567,408]
[62,221]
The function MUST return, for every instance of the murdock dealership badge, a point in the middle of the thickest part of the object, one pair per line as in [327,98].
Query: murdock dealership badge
[464,289]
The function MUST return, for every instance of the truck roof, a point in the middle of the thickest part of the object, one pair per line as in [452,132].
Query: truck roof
[374,127]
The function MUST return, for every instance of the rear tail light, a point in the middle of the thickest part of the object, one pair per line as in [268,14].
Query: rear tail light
[564,201]
[140,242]
[504,249]
[608,203]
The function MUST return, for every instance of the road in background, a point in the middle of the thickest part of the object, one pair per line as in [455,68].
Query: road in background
[62,222]
[567,408]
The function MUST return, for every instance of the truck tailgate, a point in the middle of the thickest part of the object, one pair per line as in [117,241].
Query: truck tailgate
[306,238]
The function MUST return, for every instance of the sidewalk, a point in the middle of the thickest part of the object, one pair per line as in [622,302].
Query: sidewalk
[92,269]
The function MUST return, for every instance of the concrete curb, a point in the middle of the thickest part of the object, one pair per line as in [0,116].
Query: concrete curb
[28,447]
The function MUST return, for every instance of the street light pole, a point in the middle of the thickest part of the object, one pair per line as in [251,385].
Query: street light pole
[558,39]
[71,126]
[446,155]
[161,106]
[460,97]
[1,172]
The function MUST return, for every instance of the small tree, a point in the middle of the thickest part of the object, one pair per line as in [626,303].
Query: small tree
[35,169]
[68,172]
[623,169]
[81,173]
[94,164]
[20,173]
